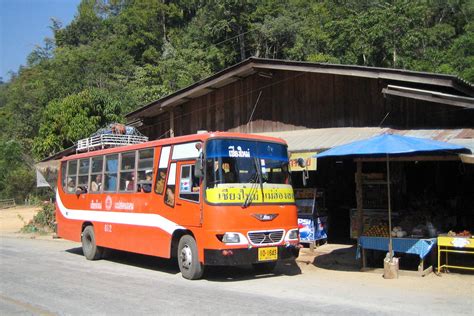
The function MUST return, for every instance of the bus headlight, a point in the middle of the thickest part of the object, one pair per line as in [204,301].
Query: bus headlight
[231,238]
[293,234]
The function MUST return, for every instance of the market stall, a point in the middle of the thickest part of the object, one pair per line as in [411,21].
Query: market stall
[416,246]
[386,148]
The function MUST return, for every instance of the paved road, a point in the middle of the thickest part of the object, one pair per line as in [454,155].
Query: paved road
[52,277]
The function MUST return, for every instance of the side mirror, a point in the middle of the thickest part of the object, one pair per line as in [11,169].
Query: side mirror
[199,167]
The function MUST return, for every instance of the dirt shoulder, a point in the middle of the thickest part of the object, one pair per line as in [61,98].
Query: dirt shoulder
[13,219]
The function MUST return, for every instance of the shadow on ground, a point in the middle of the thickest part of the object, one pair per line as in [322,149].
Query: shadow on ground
[135,260]
[242,273]
[340,259]
[212,273]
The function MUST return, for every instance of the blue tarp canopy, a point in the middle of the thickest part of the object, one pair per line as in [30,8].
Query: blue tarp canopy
[393,145]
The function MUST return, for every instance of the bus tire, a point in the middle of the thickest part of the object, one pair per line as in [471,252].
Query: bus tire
[264,267]
[89,247]
[188,259]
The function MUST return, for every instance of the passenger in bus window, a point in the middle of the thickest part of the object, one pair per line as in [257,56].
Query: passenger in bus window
[161,182]
[169,198]
[194,181]
[227,172]
[97,184]
[145,185]
[130,183]
[71,186]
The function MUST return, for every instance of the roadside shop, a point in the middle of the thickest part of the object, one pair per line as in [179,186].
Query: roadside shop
[426,204]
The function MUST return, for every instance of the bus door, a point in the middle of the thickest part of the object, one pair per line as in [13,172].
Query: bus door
[188,205]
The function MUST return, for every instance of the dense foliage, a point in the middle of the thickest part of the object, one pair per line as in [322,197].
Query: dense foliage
[117,55]
[16,177]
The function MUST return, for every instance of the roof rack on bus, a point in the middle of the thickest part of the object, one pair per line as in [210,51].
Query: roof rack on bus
[114,135]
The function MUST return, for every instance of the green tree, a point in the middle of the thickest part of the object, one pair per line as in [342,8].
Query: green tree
[16,176]
[74,117]
[137,51]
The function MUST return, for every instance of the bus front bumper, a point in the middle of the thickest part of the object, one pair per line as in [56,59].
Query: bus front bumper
[240,256]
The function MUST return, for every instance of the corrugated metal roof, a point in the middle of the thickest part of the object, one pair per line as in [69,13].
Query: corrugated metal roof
[324,138]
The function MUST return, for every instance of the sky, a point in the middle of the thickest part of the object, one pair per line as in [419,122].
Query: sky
[24,24]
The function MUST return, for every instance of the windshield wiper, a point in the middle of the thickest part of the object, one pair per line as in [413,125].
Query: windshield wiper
[256,179]
[249,197]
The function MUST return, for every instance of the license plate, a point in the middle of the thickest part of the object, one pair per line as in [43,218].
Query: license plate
[267,253]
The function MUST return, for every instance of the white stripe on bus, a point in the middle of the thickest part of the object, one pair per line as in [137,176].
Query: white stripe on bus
[139,219]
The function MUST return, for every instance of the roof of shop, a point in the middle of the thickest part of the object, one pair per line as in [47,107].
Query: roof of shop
[324,138]
[260,65]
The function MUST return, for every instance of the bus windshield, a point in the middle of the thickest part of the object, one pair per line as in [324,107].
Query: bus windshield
[236,169]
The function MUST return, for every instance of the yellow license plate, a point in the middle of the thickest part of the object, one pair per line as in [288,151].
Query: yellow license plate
[267,253]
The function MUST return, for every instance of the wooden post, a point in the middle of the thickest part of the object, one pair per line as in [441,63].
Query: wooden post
[360,210]
[171,123]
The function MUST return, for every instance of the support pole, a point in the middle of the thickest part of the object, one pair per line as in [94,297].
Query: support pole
[360,211]
[390,245]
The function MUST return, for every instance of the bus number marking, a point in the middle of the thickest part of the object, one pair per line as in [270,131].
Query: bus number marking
[108,228]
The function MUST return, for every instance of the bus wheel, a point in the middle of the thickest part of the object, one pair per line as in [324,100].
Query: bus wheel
[264,267]
[188,260]
[89,248]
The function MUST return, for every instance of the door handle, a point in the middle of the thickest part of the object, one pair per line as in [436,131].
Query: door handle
[178,204]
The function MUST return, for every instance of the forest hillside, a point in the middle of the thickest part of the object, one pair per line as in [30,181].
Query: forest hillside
[117,55]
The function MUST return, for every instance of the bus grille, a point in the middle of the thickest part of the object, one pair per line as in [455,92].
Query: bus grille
[266,237]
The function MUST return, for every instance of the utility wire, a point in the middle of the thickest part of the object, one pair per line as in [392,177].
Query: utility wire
[167,132]
[233,37]
[254,107]
[385,117]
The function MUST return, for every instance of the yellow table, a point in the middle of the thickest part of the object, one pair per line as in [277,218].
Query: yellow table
[456,244]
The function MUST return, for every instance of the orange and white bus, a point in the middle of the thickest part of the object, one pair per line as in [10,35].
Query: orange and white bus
[205,199]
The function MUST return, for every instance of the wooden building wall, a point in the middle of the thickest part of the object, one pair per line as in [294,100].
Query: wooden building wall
[293,100]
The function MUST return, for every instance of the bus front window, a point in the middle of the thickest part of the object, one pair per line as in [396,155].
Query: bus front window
[233,167]
[244,170]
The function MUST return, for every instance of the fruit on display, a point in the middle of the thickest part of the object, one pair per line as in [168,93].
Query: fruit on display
[377,231]
[464,233]
[401,234]
[398,232]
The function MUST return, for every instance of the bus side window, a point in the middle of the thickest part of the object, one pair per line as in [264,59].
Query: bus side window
[162,169]
[71,176]
[83,177]
[128,172]
[170,186]
[63,175]
[188,184]
[145,170]
[97,164]
[111,168]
